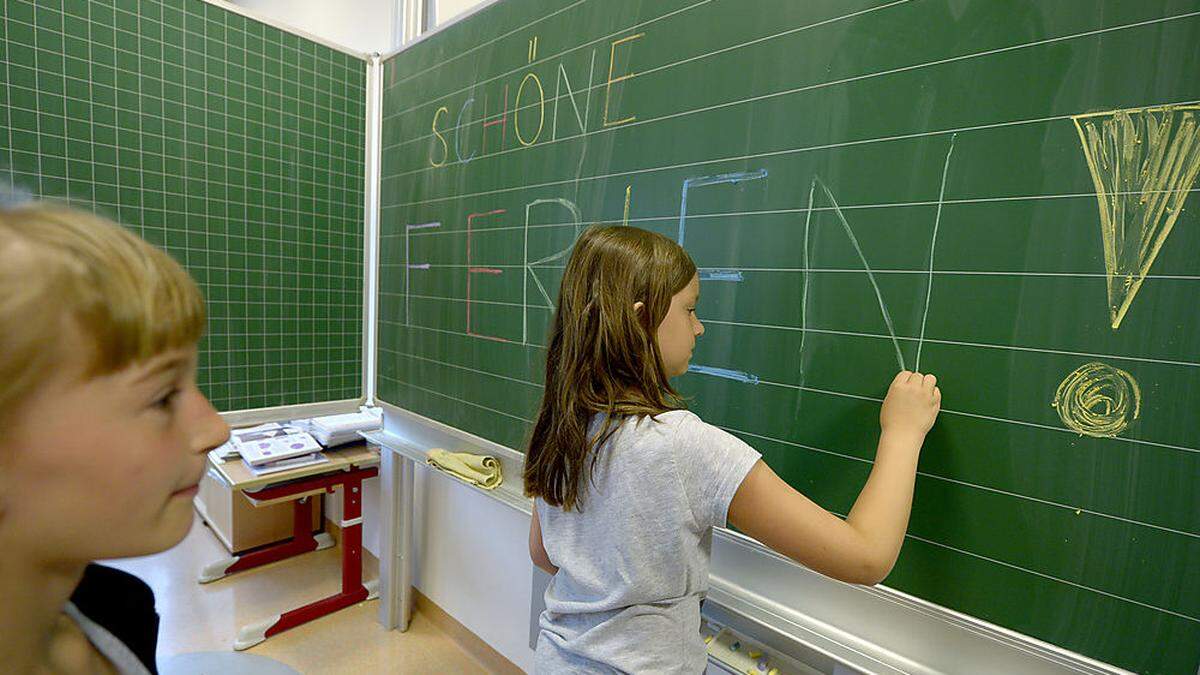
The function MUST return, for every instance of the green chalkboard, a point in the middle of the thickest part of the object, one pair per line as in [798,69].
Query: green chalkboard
[1002,193]
[236,146]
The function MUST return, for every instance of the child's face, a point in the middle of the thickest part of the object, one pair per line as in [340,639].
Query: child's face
[106,467]
[679,329]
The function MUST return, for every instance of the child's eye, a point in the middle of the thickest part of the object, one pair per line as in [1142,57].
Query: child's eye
[167,400]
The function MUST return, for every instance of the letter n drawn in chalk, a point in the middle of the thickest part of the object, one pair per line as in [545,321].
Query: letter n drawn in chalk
[849,231]
[473,270]
[583,118]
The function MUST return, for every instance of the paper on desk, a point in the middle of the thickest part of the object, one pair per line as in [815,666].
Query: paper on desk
[331,430]
[244,431]
[285,464]
[230,449]
[257,451]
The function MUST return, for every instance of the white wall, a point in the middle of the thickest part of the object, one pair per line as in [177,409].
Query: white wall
[362,25]
[446,10]
[472,560]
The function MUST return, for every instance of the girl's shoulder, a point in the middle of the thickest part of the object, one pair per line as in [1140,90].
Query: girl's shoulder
[675,417]
[656,431]
[687,431]
[674,432]
[683,425]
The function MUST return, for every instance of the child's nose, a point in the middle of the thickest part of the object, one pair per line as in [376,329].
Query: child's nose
[211,429]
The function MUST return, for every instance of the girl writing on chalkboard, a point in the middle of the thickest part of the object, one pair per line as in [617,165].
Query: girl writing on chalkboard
[103,436]
[629,485]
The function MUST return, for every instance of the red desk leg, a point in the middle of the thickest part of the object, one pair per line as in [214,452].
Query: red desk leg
[302,541]
[353,590]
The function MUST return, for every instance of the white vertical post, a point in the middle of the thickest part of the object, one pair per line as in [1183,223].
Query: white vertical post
[396,552]
[374,123]
[406,552]
[396,472]
[389,510]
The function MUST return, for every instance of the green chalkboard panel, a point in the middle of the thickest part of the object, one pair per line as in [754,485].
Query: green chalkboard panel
[1003,193]
[234,145]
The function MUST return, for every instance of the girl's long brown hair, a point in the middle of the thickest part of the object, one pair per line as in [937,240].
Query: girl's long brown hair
[603,356]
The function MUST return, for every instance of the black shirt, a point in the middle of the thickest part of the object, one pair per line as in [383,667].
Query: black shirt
[124,605]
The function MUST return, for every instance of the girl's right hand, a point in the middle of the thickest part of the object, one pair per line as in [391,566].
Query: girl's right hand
[911,405]
[862,548]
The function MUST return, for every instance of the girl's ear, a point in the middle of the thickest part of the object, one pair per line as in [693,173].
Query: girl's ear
[638,306]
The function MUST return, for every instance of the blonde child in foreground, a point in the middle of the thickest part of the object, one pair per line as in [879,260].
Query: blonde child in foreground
[628,485]
[102,436]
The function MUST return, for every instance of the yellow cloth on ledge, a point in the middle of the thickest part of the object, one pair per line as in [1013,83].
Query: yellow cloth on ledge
[478,470]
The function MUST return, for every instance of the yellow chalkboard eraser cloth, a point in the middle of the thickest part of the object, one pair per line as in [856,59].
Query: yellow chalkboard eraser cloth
[479,470]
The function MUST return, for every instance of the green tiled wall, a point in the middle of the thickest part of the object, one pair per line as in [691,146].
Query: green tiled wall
[236,146]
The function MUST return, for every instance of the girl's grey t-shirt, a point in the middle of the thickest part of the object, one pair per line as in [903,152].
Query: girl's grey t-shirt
[633,564]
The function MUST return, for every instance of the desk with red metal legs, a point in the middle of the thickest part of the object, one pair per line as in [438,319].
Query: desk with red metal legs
[348,475]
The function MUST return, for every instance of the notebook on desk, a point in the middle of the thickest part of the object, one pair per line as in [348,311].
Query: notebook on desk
[287,464]
[273,445]
[333,430]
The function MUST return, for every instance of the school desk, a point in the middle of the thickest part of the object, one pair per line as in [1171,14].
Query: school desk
[347,468]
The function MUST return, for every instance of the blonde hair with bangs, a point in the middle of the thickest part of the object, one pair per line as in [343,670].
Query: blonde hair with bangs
[59,265]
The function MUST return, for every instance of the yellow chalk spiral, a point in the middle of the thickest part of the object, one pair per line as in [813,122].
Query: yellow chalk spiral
[1098,400]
